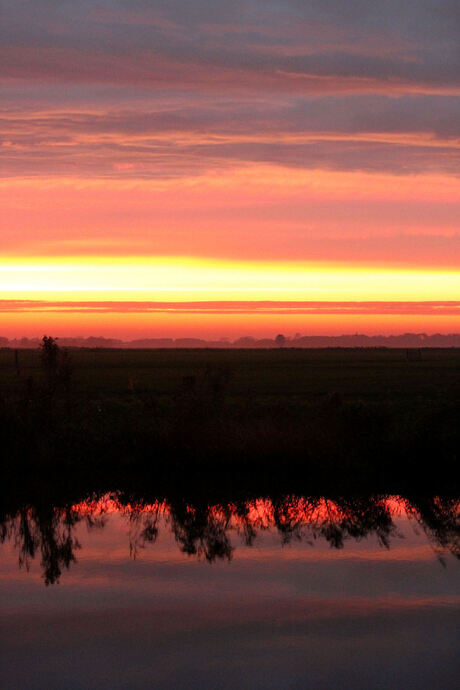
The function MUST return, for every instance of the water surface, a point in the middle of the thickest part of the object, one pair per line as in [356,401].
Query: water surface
[293,593]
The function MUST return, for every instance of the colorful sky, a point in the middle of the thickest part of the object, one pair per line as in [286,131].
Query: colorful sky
[229,153]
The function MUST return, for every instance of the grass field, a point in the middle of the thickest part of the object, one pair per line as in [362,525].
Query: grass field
[181,416]
[284,374]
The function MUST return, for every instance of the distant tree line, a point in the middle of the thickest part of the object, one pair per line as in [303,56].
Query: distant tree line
[406,340]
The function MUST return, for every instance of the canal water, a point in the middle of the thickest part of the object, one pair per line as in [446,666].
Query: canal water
[294,593]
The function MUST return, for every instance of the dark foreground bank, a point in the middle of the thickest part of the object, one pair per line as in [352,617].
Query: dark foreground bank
[361,416]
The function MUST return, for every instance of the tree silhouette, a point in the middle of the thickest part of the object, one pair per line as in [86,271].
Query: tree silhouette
[280,340]
[49,356]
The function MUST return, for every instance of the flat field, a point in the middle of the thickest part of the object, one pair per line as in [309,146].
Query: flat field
[184,415]
[348,420]
[373,375]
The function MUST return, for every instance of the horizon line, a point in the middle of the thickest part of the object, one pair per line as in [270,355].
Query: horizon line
[419,339]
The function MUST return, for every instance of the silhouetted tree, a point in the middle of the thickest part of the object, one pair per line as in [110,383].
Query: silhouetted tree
[56,364]
[280,340]
[49,356]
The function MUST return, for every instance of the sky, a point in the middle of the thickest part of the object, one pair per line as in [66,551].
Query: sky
[229,151]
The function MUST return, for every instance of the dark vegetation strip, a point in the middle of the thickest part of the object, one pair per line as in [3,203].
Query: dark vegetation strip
[356,419]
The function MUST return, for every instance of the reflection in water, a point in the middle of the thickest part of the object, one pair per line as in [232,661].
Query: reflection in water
[211,532]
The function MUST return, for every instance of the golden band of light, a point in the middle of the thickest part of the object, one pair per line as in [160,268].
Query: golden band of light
[178,278]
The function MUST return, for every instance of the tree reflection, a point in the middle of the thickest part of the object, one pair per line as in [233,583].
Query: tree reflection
[48,532]
[201,531]
[440,520]
[205,531]
[143,526]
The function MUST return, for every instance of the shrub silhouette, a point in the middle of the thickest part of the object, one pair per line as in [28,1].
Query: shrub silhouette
[49,356]
[280,340]
[56,364]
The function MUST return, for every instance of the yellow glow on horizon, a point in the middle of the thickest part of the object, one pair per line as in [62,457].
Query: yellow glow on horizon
[182,279]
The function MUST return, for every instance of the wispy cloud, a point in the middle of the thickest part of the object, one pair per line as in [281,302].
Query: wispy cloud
[449,308]
[286,46]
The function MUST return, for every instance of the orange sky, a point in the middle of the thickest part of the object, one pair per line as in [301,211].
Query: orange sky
[177,152]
